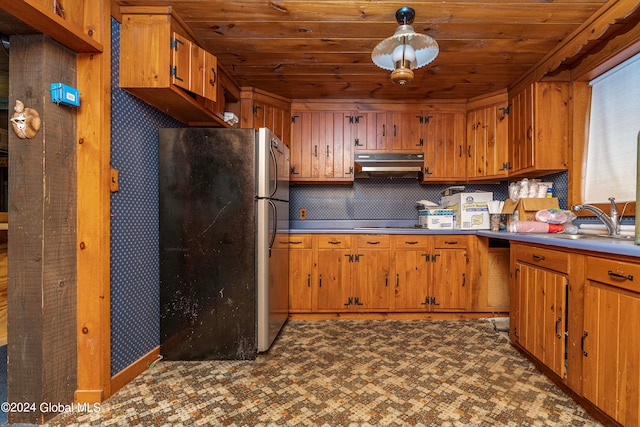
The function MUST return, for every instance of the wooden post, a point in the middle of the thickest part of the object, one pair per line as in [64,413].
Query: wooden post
[42,241]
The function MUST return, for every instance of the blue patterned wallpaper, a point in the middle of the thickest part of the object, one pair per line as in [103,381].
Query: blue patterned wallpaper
[135,295]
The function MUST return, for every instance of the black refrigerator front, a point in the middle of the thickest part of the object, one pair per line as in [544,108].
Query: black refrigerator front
[213,232]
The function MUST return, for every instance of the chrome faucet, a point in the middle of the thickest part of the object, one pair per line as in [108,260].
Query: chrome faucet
[611,221]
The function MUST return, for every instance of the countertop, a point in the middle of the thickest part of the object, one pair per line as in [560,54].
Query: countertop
[561,240]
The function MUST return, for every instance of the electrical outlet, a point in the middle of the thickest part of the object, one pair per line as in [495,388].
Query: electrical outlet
[303,213]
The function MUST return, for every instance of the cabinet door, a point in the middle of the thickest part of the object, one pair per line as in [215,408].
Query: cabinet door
[448,285]
[444,142]
[371,286]
[542,315]
[305,163]
[300,271]
[334,280]
[496,141]
[334,140]
[181,61]
[611,351]
[410,284]
[210,84]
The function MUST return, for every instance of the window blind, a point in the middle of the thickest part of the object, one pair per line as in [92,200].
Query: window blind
[613,134]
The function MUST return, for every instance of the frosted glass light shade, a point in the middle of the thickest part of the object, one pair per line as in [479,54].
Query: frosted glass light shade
[426,49]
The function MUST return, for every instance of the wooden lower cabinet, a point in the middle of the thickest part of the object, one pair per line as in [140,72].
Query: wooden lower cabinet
[579,315]
[300,271]
[541,315]
[333,273]
[431,273]
[610,342]
[378,273]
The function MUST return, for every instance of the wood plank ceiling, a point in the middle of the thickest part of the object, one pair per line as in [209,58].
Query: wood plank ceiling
[322,49]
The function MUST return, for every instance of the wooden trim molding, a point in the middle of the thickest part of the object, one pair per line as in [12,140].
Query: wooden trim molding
[93,222]
[123,377]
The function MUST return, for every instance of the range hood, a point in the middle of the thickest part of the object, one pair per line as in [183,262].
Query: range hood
[390,165]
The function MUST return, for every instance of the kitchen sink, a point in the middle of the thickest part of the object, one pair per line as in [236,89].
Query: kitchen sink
[599,237]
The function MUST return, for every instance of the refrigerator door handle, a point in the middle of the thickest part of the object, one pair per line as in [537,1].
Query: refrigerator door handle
[275,225]
[275,168]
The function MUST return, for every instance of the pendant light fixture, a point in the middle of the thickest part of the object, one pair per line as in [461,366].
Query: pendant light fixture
[406,50]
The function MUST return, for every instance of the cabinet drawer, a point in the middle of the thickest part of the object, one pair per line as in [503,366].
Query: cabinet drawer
[620,274]
[411,241]
[450,242]
[373,241]
[335,241]
[546,258]
[293,241]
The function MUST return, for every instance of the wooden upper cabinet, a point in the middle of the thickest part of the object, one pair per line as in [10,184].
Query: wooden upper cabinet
[539,127]
[161,63]
[487,142]
[321,147]
[387,131]
[444,147]
[259,108]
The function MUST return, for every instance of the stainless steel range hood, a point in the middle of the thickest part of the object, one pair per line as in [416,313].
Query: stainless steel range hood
[391,165]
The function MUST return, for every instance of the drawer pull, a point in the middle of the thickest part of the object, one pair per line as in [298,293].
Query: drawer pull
[411,243]
[335,243]
[297,242]
[620,276]
[538,257]
[450,242]
[584,337]
[373,243]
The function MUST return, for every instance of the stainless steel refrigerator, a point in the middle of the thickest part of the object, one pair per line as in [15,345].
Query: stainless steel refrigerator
[223,202]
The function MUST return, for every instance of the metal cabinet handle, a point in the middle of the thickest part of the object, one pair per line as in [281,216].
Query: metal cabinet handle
[327,152]
[373,243]
[557,323]
[309,280]
[584,336]
[464,280]
[620,276]
[451,242]
[386,280]
[411,243]
[335,243]
[315,151]
[397,280]
[213,81]
[321,280]
[538,257]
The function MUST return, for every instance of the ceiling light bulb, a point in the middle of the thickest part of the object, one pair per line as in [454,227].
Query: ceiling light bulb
[403,52]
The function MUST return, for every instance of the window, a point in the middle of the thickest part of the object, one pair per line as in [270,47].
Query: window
[613,134]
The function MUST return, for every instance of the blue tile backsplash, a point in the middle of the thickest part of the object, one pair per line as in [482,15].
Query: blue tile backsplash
[385,198]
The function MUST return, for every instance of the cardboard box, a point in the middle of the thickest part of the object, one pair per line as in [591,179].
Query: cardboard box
[470,211]
[436,219]
[527,208]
